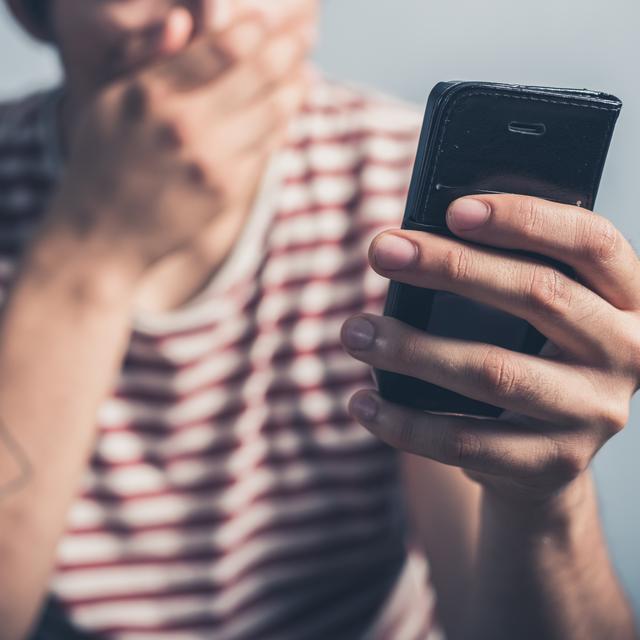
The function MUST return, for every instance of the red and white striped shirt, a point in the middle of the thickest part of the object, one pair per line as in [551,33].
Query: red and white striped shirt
[230,495]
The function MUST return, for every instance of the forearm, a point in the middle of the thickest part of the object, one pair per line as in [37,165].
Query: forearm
[62,336]
[444,508]
[545,573]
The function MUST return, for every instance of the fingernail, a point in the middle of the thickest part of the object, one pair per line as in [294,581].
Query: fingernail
[467,214]
[394,252]
[358,333]
[363,406]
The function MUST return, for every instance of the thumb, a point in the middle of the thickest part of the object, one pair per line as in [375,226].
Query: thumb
[160,40]
[177,32]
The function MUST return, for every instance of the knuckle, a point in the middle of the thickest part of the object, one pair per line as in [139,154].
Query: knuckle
[200,173]
[459,447]
[548,292]
[613,418]
[407,434]
[497,373]
[240,40]
[135,99]
[528,211]
[599,241]
[568,463]
[407,350]
[456,264]
[196,173]
[227,48]
[172,132]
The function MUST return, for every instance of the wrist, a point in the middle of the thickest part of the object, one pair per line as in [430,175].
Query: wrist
[563,512]
[90,220]
[89,271]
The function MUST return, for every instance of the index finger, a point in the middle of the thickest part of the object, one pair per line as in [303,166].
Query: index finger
[600,255]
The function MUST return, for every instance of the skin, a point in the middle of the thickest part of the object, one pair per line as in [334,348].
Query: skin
[188,117]
[539,525]
[146,87]
[181,107]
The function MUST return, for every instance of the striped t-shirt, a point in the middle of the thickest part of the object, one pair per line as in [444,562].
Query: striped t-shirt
[230,495]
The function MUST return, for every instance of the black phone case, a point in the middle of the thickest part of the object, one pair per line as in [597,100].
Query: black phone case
[493,138]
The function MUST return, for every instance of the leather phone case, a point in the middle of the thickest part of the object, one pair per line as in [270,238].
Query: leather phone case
[493,138]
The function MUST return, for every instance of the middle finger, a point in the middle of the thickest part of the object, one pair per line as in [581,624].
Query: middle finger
[572,316]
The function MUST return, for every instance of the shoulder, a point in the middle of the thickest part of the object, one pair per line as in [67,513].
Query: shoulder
[25,172]
[358,144]
[19,119]
[352,150]
[347,171]
[27,128]
[358,117]
[380,111]
[356,137]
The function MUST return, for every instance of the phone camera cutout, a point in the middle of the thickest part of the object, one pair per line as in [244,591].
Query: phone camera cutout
[528,128]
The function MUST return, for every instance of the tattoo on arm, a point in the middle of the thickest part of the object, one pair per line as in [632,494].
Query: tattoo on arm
[15,468]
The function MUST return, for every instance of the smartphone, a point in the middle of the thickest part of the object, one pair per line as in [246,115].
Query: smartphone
[481,138]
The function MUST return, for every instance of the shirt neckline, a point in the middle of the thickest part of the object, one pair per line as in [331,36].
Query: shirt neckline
[246,254]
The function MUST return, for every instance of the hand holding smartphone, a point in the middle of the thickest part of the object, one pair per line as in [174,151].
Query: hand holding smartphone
[493,138]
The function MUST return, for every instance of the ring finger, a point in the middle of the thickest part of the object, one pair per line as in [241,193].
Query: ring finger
[537,387]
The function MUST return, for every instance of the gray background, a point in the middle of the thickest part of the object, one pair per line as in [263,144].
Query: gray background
[405,46]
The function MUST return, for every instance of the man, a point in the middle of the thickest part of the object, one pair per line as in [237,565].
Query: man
[184,231]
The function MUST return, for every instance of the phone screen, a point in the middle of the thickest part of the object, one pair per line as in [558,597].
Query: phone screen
[492,138]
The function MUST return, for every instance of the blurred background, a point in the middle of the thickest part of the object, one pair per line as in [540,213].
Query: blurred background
[404,47]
